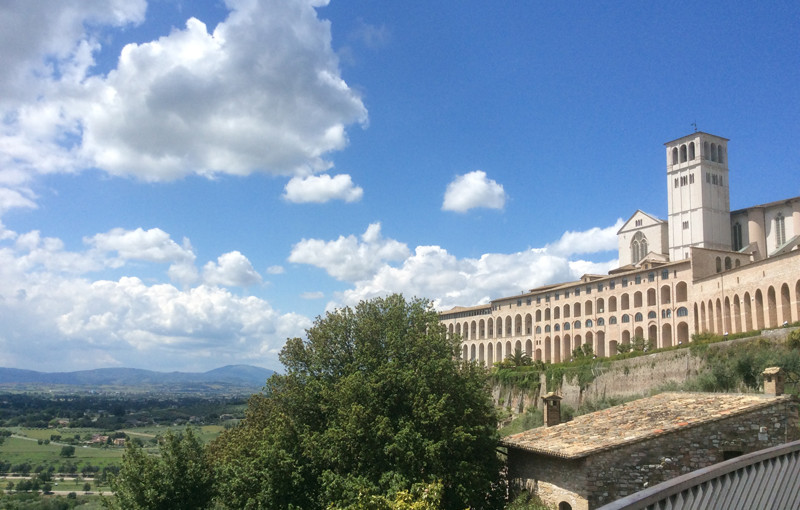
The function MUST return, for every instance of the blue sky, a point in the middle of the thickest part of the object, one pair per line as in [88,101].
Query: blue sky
[184,185]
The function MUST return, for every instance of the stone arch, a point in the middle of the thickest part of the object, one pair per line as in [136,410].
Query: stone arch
[538,354]
[612,348]
[665,295]
[651,297]
[737,314]
[601,305]
[747,303]
[600,342]
[797,299]
[482,328]
[683,332]
[666,335]
[499,351]
[508,326]
[529,347]
[473,330]
[548,352]
[490,328]
[728,264]
[718,315]
[538,316]
[626,337]
[637,299]
[518,346]
[587,307]
[681,292]
[472,352]
[567,348]
[528,324]
[691,151]
[675,159]
[566,311]
[590,341]
[638,332]
[458,330]
[772,307]
[759,305]
[481,354]
[557,349]
[683,153]
[718,264]
[490,354]
[726,315]
[449,331]
[547,314]
[518,324]
[465,353]
[556,313]
[652,333]
[703,324]
[499,327]
[612,304]
[713,151]
[786,304]
[624,302]
[508,350]
[576,309]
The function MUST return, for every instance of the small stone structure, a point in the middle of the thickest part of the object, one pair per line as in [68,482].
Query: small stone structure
[552,409]
[603,456]
[773,381]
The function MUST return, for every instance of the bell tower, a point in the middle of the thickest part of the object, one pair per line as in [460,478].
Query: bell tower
[698,194]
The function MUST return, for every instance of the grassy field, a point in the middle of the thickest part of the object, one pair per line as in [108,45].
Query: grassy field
[24,446]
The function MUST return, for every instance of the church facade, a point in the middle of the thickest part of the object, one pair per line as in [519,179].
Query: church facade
[703,269]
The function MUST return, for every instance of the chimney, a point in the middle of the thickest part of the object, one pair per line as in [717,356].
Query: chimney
[773,381]
[552,409]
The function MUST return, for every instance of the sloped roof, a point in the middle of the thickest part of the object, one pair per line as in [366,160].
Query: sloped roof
[636,421]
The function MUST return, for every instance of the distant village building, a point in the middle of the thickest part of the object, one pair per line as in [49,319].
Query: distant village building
[603,456]
[704,269]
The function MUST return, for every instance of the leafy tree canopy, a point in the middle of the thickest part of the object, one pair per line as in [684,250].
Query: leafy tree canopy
[180,478]
[373,403]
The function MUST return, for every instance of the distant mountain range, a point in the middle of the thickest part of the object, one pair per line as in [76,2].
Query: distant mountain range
[231,375]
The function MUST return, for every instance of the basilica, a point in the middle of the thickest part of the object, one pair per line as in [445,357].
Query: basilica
[703,269]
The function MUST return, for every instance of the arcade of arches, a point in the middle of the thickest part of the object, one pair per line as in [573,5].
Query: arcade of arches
[664,303]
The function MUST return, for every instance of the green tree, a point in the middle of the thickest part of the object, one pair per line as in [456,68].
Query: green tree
[519,358]
[180,478]
[373,403]
[67,451]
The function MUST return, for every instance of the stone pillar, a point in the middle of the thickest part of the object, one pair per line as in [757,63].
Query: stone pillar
[552,409]
[773,381]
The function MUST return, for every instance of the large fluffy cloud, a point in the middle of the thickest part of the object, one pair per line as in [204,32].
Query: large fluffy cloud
[260,92]
[50,305]
[473,190]
[347,258]
[434,273]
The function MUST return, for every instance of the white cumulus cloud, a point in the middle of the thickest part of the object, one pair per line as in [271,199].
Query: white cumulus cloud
[322,188]
[432,272]
[231,270]
[260,92]
[348,258]
[473,190]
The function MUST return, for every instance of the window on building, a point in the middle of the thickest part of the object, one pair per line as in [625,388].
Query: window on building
[665,274]
[588,290]
[714,179]
[538,299]
[589,323]
[612,320]
[599,287]
[780,230]
[638,317]
[547,329]
[601,322]
[611,284]
[683,312]
[685,225]
[624,282]
[547,298]
[736,235]
[638,279]
[638,247]
[651,276]
[626,318]
[528,301]
[651,315]
[639,223]
[577,291]
[556,296]
[691,178]
[519,302]
[566,326]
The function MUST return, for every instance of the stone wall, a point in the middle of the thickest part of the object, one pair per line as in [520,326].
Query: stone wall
[617,473]
[632,377]
[606,476]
